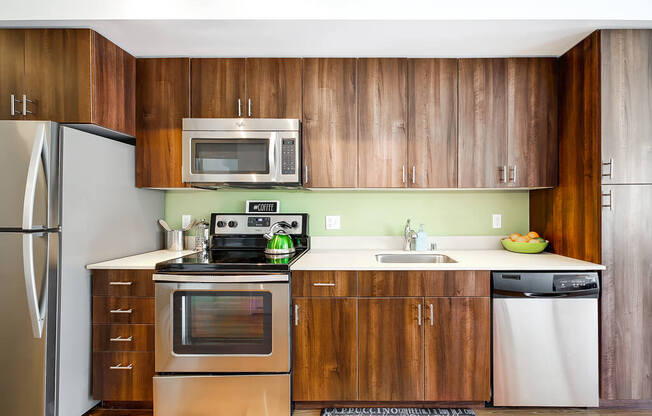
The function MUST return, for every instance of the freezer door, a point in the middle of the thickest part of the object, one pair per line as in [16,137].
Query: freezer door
[23,341]
[26,149]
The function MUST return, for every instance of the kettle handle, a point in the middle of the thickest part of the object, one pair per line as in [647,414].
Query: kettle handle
[273,231]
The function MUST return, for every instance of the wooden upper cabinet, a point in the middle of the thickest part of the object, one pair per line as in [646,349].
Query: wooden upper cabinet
[382,121]
[217,87]
[432,137]
[532,122]
[482,158]
[273,88]
[12,73]
[162,101]
[330,136]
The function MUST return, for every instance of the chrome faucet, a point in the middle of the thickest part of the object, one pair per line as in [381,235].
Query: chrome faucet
[410,237]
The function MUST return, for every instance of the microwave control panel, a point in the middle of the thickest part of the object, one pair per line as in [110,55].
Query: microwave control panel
[288,156]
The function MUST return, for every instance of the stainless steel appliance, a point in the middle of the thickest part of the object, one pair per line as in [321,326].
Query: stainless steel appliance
[223,322]
[57,197]
[241,152]
[545,338]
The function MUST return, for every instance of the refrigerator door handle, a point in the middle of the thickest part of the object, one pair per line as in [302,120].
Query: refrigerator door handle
[35,306]
[39,152]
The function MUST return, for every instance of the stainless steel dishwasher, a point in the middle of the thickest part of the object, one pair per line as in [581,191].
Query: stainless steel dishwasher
[545,338]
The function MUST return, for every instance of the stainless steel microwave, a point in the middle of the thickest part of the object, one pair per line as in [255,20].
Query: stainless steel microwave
[246,152]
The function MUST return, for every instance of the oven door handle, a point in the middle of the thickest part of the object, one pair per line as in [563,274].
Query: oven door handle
[181,278]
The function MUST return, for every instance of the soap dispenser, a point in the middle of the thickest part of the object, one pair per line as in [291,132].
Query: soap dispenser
[422,240]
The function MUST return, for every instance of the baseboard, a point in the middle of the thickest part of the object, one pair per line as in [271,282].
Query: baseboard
[323,405]
[626,404]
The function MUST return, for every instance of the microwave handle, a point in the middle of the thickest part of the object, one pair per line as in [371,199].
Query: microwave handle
[274,154]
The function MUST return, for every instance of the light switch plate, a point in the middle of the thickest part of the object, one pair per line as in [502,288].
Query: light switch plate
[185,220]
[497,221]
[332,222]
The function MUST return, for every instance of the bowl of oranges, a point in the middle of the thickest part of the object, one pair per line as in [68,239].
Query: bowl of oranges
[529,243]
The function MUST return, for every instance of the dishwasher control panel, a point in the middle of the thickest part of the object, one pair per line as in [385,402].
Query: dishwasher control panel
[574,282]
[545,284]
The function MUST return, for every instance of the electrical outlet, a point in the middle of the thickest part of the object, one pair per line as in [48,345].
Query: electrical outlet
[497,221]
[185,220]
[332,222]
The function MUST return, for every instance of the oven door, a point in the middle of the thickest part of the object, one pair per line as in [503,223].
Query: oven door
[230,156]
[222,327]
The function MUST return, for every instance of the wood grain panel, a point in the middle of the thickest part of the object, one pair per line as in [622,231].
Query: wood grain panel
[330,136]
[141,335]
[390,350]
[12,70]
[317,283]
[532,121]
[142,310]
[569,215]
[216,85]
[457,283]
[141,281]
[457,349]
[324,350]
[274,87]
[390,283]
[432,128]
[123,385]
[58,74]
[162,101]
[382,122]
[482,150]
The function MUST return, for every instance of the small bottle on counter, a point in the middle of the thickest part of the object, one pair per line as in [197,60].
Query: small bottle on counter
[422,240]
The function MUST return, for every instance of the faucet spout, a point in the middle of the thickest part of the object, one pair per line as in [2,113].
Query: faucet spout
[410,237]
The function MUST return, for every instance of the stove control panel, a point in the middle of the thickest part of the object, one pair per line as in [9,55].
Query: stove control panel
[252,224]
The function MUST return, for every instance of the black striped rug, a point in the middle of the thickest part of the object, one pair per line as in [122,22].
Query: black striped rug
[394,411]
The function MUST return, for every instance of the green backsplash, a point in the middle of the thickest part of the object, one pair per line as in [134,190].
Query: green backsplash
[371,212]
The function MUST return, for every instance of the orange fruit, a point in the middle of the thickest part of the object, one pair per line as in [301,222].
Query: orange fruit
[522,239]
[514,236]
[533,234]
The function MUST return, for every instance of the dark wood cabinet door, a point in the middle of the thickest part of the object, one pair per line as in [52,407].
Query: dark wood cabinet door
[273,88]
[432,132]
[382,123]
[330,136]
[123,376]
[217,87]
[482,149]
[162,101]
[532,122]
[457,349]
[390,349]
[324,350]
[12,72]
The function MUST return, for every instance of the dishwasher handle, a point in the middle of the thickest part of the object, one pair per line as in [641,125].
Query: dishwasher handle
[587,293]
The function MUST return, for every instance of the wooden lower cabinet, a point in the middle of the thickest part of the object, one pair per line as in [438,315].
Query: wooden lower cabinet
[390,349]
[324,358]
[123,376]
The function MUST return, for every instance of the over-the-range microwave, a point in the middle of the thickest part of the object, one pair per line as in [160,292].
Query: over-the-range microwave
[261,152]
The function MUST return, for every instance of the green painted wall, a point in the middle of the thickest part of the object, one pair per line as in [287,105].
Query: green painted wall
[371,212]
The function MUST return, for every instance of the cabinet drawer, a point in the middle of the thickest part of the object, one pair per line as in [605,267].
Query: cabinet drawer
[114,310]
[123,376]
[390,283]
[323,283]
[457,283]
[123,283]
[118,337]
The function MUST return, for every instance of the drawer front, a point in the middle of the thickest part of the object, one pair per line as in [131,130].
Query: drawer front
[123,376]
[120,337]
[457,283]
[123,283]
[390,283]
[114,310]
[323,283]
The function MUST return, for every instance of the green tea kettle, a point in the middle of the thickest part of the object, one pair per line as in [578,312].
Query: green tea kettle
[280,243]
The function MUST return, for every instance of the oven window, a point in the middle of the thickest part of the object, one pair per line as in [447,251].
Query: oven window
[229,323]
[241,156]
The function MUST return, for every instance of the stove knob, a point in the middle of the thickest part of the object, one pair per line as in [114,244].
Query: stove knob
[233,224]
[294,224]
[220,224]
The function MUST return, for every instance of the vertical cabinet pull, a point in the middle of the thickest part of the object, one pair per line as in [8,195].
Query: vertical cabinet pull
[13,105]
[120,283]
[503,173]
[419,317]
[25,101]
[122,367]
[404,174]
[432,315]
[120,339]
[239,107]
[296,315]
[249,107]
[610,163]
[306,178]
[513,173]
[609,205]
[414,174]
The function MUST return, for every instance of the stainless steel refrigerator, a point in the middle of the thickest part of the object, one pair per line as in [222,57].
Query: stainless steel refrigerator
[67,198]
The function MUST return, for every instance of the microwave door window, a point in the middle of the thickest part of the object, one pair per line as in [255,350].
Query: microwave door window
[225,323]
[228,157]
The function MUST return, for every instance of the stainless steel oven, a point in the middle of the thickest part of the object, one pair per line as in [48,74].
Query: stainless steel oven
[246,152]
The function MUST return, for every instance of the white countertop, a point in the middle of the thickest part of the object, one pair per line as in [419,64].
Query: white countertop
[140,261]
[329,259]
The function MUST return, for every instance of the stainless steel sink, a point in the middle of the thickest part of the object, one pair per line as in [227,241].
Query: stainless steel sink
[414,258]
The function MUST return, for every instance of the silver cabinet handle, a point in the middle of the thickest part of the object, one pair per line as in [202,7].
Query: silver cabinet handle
[324,284]
[414,174]
[608,195]
[120,310]
[503,174]
[239,107]
[130,366]
[432,315]
[25,101]
[13,105]
[610,163]
[512,176]
[296,315]
[306,178]
[419,318]
[120,283]
[404,174]
[515,173]
[120,339]
[249,107]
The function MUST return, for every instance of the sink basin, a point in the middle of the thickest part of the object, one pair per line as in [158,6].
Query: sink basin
[413,258]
